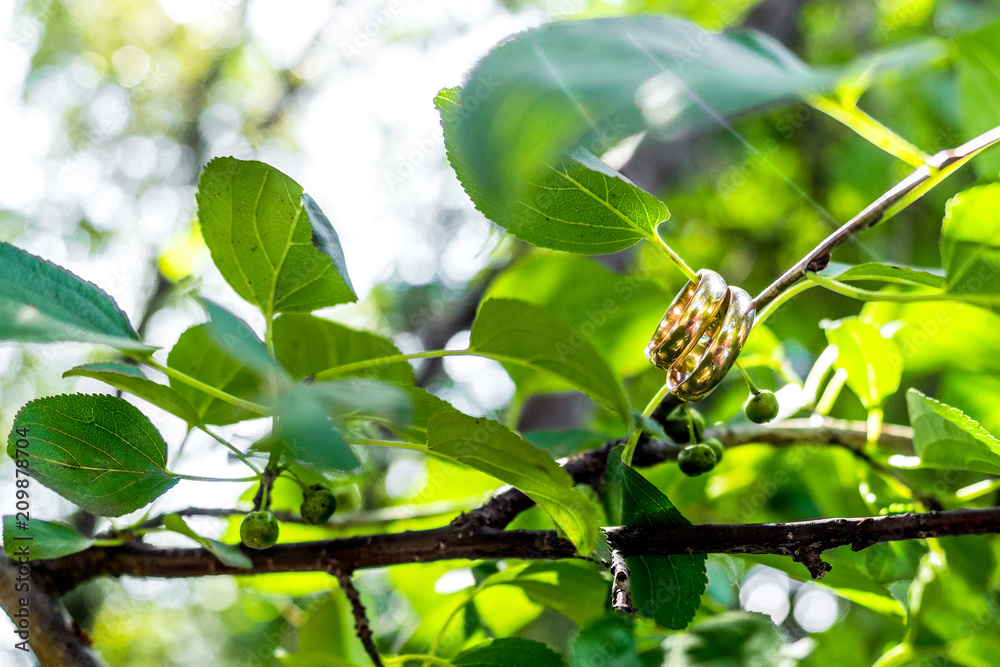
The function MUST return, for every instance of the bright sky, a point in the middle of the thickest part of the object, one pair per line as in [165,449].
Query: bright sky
[370,152]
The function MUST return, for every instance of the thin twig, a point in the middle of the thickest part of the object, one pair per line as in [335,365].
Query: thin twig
[819,257]
[361,625]
[353,519]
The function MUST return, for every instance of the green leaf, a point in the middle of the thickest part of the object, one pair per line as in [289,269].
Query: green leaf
[44,303]
[575,591]
[594,82]
[43,539]
[511,652]
[977,64]
[269,240]
[616,313]
[311,417]
[489,447]
[873,363]
[609,642]
[425,406]
[516,332]
[305,428]
[667,589]
[227,554]
[97,451]
[575,203]
[132,380]
[238,340]
[198,354]
[898,275]
[733,637]
[970,245]
[306,345]
[565,443]
[944,437]
[360,398]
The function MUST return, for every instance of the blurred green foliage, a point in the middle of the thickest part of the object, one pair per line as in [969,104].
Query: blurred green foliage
[747,199]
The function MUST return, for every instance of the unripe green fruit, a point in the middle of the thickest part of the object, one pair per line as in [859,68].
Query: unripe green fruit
[676,425]
[318,505]
[696,459]
[762,407]
[716,446]
[259,530]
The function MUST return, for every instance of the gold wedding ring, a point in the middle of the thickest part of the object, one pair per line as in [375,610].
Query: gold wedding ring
[701,334]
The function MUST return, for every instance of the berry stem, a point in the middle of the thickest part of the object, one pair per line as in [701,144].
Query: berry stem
[746,376]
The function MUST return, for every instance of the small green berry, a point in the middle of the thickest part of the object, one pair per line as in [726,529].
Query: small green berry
[716,446]
[676,425]
[696,459]
[259,530]
[762,407]
[318,505]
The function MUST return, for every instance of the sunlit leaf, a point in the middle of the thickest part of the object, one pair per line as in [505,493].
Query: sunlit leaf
[575,203]
[97,451]
[944,437]
[873,363]
[977,64]
[518,333]
[889,273]
[614,312]
[594,82]
[575,591]
[269,240]
[488,446]
[43,303]
[970,245]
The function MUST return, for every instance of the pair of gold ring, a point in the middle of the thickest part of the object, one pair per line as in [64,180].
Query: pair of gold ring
[701,334]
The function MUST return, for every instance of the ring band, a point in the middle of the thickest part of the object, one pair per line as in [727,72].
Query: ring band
[701,335]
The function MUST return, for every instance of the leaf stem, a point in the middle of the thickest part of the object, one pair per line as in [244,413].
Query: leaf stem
[334,371]
[205,388]
[199,478]
[874,295]
[240,455]
[831,392]
[672,256]
[634,437]
[746,376]
[388,443]
[870,129]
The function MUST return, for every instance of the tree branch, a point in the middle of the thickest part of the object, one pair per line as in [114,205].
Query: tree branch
[53,636]
[819,257]
[476,534]
[803,541]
